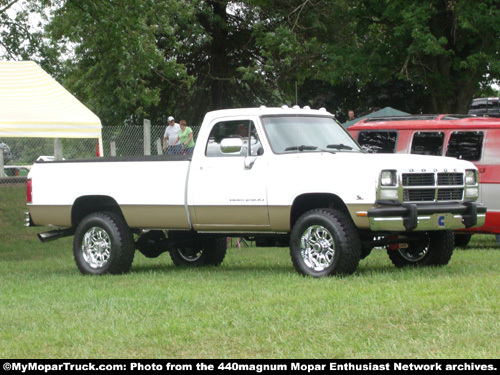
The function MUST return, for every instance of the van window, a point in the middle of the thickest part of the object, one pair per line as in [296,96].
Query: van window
[465,145]
[427,143]
[378,141]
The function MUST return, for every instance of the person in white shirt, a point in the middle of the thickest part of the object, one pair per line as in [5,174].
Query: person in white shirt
[170,137]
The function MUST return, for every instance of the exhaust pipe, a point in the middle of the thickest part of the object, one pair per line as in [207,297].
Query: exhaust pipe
[52,235]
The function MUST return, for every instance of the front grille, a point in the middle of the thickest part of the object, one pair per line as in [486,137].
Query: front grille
[422,187]
[450,194]
[419,195]
[450,179]
[418,179]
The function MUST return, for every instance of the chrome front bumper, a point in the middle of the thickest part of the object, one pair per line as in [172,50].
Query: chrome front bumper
[394,216]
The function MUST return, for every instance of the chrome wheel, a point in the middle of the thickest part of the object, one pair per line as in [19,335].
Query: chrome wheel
[412,254]
[317,248]
[96,247]
[325,242]
[190,255]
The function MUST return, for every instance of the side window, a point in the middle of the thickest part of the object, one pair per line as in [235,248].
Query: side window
[241,129]
[465,145]
[427,143]
[378,141]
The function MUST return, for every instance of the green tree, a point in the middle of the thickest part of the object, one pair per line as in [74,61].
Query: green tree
[146,58]
[449,48]
[21,32]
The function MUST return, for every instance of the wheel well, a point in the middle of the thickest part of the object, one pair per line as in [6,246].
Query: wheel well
[306,202]
[84,206]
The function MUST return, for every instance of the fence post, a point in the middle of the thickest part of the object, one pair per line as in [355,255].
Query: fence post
[2,174]
[159,147]
[112,146]
[58,150]
[147,137]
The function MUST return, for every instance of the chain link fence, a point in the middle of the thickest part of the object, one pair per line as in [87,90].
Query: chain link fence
[19,154]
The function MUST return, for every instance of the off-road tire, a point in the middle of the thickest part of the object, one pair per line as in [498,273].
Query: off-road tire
[462,240]
[436,250]
[103,243]
[203,252]
[325,242]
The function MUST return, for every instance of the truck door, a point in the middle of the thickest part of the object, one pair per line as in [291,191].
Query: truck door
[228,184]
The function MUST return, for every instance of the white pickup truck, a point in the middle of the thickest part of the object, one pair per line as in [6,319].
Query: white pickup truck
[276,175]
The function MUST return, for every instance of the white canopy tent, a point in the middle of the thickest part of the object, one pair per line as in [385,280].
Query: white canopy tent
[33,104]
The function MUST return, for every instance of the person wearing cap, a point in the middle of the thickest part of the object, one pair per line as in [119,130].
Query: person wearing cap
[170,137]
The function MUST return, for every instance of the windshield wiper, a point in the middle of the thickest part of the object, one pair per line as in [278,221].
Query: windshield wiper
[301,148]
[340,147]
[308,148]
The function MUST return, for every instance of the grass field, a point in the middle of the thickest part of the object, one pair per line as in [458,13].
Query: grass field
[253,306]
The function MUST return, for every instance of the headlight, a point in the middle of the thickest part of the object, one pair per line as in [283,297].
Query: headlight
[471,184]
[388,178]
[470,177]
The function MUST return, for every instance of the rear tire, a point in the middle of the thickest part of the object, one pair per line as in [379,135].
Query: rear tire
[202,252]
[103,243]
[325,242]
[434,249]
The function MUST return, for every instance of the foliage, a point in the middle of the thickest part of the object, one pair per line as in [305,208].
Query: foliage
[157,59]
[444,48]
[178,57]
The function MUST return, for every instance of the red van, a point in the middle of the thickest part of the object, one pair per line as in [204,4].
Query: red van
[476,139]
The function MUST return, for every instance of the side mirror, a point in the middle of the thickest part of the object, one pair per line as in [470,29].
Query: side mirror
[231,145]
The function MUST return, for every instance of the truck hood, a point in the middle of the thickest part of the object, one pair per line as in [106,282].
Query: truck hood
[404,161]
[355,175]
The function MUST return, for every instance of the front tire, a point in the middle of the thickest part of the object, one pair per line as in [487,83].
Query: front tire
[462,240]
[434,249]
[325,242]
[103,243]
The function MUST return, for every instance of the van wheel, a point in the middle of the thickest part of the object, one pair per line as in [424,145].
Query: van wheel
[207,252]
[103,243]
[433,249]
[325,242]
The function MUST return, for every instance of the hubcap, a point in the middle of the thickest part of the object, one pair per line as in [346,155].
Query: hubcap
[317,248]
[96,247]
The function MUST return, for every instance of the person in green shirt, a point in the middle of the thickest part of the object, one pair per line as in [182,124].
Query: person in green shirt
[185,136]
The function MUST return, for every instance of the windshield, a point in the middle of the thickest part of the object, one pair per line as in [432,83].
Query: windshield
[302,133]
